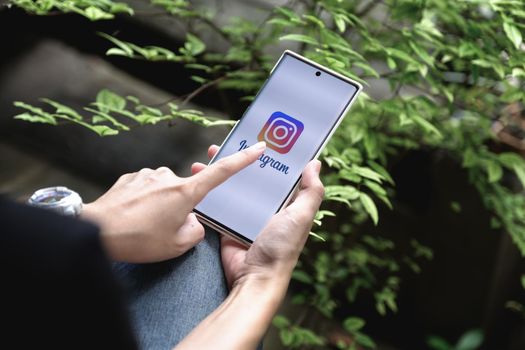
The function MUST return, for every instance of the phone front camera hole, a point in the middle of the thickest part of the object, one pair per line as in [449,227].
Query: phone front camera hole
[318,73]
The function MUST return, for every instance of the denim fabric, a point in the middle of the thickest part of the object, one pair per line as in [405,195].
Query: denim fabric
[168,299]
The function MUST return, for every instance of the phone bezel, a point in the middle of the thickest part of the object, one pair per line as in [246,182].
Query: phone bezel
[236,235]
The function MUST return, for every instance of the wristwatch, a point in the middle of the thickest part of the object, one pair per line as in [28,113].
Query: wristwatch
[59,199]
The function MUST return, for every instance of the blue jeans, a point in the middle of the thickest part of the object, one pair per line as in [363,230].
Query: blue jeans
[168,299]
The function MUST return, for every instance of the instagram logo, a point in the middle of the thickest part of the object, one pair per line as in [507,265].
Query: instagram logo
[280,132]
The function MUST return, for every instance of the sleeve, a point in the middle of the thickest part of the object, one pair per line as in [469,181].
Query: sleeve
[57,289]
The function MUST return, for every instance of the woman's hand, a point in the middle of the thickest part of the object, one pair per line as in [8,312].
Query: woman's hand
[277,248]
[259,275]
[146,216]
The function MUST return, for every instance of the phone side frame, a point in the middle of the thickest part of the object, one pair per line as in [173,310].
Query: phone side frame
[237,236]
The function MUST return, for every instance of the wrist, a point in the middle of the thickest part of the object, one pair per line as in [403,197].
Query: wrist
[267,286]
[89,213]
[109,241]
[270,274]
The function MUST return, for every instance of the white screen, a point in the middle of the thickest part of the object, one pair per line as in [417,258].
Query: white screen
[247,201]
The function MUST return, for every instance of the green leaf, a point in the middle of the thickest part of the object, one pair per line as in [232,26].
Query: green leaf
[101,130]
[100,116]
[200,120]
[107,98]
[95,14]
[426,125]
[391,63]
[381,171]
[299,37]
[115,51]
[469,158]
[369,206]
[302,276]
[353,324]
[314,20]
[280,321]
[494,171]
[482,63]
[471,340]
[523,281]
[287,336]
[520,173]
[62,109]
[319,237]
[118,7]
[341,193]
[422,53]
[194,45]
[438,343]
[368,173]
[104,130]
[513,33]
[35,118]
[122,45]
[340,23]
[402,55]
[364,340]
[43,117]
[455,207]
[280,22]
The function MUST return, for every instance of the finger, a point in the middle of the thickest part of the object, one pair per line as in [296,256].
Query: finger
[229,244]
[164,170]
[212,150]
[190,233]
[220,171]
[145,171]
[141,174]
[196,167]
[124,179]
[311,194]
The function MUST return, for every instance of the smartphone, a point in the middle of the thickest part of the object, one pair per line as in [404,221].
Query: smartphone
[296,112]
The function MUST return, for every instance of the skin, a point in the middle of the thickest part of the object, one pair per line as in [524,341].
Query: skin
[148,229]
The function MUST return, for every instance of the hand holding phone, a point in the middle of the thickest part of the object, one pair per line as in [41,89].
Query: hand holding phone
[276,250]
[295,113]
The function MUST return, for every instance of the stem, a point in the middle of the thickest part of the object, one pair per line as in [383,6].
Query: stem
[216,27]
[202,88]
[367,8]
[302,316]
[193,94]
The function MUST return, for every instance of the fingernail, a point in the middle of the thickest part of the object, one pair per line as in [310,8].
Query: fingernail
[259,145]
[318,166]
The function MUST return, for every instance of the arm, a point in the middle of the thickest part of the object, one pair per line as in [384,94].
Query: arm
[260,275]
[241,320]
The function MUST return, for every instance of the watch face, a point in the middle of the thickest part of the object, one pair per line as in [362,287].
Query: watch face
[58,199]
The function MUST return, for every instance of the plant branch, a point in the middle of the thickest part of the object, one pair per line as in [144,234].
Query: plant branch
[367,8]
[193,94]
[201,89]
[215,27]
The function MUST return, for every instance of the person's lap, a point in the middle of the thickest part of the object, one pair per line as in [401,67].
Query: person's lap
[168,299]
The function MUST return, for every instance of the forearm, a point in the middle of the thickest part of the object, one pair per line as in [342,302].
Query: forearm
[242,319]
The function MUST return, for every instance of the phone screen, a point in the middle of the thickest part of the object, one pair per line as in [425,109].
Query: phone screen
[294,113]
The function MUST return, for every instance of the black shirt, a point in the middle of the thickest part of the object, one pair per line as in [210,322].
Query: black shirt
[57,290]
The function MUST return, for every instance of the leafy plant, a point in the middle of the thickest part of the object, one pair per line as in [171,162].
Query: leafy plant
[471,340]
[92,9]
[455,70]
